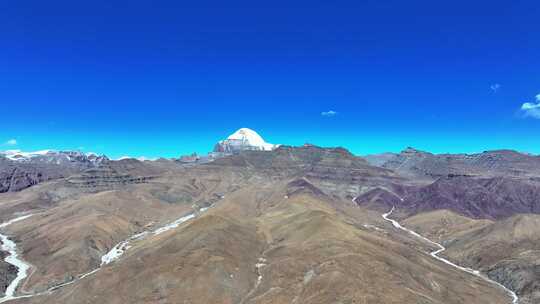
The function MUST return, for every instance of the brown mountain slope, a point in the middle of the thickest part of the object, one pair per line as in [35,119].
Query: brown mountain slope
[492,198]
[507,250]
[475,197]
[303,249]
[444,224]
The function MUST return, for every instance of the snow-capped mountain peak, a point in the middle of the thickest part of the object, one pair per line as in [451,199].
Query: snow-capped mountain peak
[250,137]
[244,139]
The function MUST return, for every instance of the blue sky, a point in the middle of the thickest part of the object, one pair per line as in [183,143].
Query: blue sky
[164,78]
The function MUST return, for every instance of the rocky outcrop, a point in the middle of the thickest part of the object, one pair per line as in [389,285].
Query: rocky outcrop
[114,174]
[104,178]
[303,186]
[521,276]
[16,177]
[8,272]
[380,199]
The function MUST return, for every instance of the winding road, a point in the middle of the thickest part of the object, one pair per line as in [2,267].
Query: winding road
[441,248]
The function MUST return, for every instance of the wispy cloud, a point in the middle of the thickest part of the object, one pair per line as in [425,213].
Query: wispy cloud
[532,109]
[11,142]
[495,87]
[329,113]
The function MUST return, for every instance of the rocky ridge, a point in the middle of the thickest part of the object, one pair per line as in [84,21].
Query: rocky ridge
[20,170]
[420,164]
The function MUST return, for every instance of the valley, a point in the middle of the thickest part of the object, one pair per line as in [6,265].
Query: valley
[286,225]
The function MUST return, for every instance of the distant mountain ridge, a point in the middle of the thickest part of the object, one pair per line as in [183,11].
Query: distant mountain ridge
[20,170]
[413,162]
[53,157]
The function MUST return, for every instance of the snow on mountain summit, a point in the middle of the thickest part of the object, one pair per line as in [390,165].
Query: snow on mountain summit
[52,157]
[244,139]
[250,137]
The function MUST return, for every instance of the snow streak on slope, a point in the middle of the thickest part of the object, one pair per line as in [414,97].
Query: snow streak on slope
[117,251]
[435,254]
[114,254]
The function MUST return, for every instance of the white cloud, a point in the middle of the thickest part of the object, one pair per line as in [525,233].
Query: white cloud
[329,113]
[532,109]
[495,87]
[11,142]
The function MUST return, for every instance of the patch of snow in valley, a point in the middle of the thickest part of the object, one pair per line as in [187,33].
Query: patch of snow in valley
[13,259]
[308,276]
[369,226]
[174,224]
[259,266]
[261,262]
[441,248]
[119,249]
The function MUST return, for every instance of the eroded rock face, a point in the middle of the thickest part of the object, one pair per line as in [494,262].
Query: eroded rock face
[114,174]
[523,278]
[16,177]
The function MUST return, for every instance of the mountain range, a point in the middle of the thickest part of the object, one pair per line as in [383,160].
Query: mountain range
[254,222]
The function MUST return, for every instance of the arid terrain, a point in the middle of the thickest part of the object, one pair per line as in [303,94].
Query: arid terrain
[284,225]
